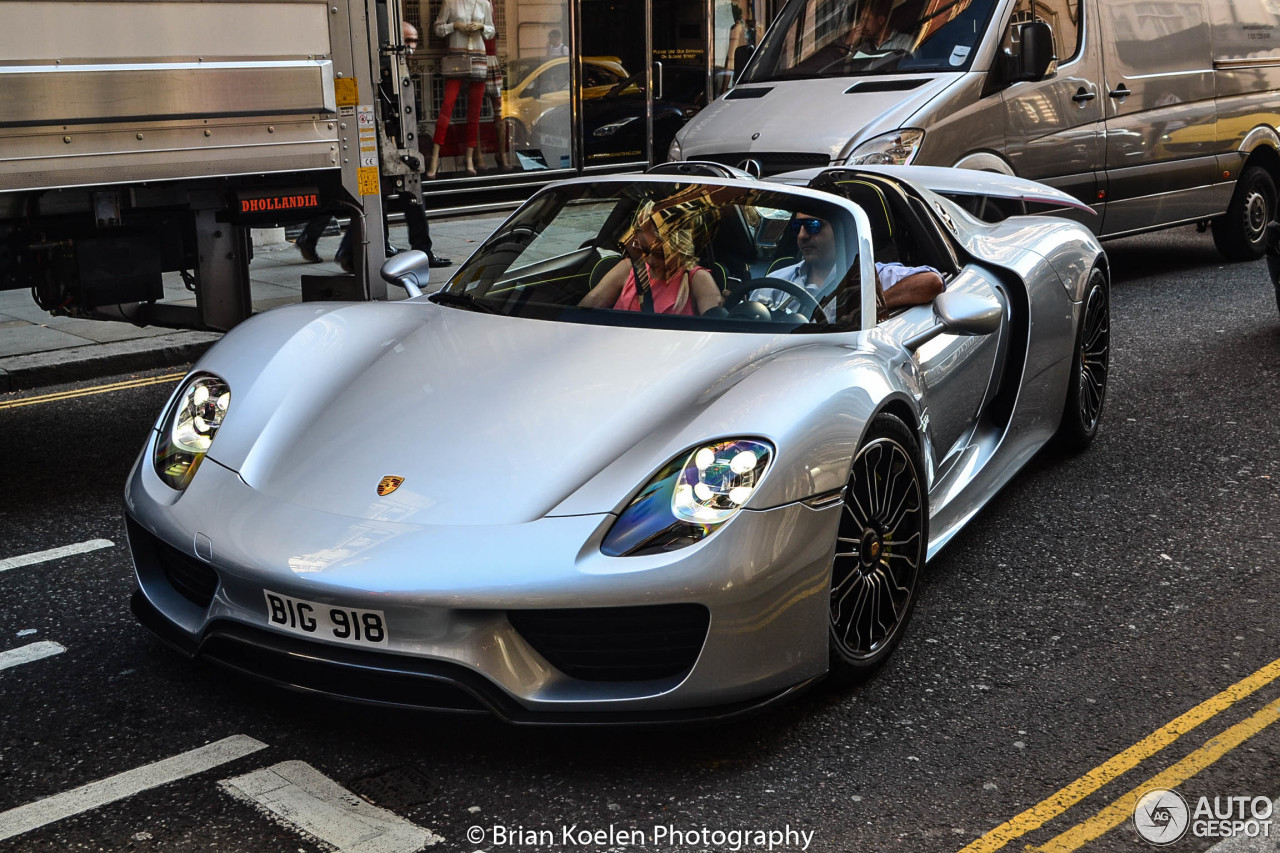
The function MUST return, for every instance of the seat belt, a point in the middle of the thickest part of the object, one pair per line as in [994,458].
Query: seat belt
[643,290]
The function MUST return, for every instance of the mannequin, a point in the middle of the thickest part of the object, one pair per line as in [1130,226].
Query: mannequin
[493,92]
[464,24]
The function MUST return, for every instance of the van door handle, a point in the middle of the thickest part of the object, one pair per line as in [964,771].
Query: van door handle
[1120,93]
[1082,94]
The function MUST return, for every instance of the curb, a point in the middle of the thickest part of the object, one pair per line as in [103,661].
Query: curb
[93,361]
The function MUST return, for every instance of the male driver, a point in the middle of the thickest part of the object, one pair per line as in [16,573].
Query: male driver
[816,272]
[874,35]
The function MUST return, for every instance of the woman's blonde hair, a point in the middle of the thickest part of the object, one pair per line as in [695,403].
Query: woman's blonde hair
[684,228]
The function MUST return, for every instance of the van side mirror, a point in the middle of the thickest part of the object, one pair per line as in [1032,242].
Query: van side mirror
[741,56]
[1033,60]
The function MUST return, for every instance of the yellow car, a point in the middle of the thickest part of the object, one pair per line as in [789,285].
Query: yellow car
[536,84]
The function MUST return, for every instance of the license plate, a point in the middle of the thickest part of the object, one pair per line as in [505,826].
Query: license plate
[349,625]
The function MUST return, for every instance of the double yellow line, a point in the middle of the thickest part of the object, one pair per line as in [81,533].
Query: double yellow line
[1122,808]
[89,392]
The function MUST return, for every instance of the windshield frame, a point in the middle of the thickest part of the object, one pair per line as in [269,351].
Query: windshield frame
[765,61]
[466,276]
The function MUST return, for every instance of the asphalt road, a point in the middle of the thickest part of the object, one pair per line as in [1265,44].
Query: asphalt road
[1098,599]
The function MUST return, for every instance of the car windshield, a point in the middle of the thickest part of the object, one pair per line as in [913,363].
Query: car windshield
[849,38]
[519,69]
[669,254]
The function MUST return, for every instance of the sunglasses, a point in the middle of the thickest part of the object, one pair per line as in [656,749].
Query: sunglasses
[811,226]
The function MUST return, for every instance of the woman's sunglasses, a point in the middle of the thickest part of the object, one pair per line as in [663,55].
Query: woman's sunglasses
[812,226]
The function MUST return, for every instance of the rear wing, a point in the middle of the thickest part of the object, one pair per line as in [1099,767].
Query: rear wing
[956,183]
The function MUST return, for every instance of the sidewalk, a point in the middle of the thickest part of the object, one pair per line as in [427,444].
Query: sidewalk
[38,349]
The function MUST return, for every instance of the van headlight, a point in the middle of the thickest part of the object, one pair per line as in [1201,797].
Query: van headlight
[674,153]
[690,498]
[189,427]
[889,149]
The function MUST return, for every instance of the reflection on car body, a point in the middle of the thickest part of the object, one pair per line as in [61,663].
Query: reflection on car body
[608,515]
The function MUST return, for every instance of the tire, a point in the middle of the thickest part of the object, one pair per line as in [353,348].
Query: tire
[880,550]
[1090,368]
[1241,233]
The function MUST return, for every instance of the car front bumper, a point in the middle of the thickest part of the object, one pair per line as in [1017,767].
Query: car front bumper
[452,598]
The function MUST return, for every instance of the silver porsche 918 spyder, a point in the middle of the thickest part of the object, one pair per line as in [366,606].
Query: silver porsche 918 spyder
[496,498]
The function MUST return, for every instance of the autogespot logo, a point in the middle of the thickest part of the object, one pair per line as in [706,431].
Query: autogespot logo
[1161,816]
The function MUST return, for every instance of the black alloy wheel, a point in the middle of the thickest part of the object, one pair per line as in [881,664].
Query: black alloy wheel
[1240,234]
[1090,367]
[880,549]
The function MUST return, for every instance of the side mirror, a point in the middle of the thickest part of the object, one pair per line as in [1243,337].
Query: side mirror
[1033,60]
[960,314]
[410,270]
[741,56]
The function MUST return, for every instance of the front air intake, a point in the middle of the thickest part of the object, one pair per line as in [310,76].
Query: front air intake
[193,579]
[617,643]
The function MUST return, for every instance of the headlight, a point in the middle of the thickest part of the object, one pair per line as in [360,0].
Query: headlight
[673,151]
[891,149]
[614,126]
[690,498]
[189,428]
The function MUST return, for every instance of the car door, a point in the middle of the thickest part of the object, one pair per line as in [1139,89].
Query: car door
[956,374]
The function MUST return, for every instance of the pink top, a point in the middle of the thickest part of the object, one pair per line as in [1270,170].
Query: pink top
[664,294]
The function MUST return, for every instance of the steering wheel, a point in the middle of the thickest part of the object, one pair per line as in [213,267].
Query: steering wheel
[808,304]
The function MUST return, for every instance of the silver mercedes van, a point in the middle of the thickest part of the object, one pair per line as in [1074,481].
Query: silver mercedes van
[1153,112]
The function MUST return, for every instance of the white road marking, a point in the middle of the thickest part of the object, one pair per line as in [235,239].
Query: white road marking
[295,792]
[1245,844]
[55,553]
[42,812]
[27,654]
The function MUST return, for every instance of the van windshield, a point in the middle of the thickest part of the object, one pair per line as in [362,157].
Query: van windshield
[851,38]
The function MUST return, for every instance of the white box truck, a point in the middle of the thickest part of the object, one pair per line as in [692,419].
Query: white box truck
[138,138]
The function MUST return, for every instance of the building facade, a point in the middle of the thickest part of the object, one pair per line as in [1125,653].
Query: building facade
[570,87]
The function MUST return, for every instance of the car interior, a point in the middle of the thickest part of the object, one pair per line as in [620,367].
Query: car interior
[902,229]
[558,249]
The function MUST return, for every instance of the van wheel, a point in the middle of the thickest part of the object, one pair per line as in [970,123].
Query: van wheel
[1241,233]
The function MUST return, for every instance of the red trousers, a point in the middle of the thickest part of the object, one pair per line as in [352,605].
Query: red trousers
[475,100]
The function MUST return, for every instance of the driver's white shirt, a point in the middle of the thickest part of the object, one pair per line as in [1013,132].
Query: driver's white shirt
[889,274]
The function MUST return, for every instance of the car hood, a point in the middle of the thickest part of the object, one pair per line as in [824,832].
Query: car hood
[488,419]
[782,119]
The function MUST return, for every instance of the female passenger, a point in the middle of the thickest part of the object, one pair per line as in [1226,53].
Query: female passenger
[660,271]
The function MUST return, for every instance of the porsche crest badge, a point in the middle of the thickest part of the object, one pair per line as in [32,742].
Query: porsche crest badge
[389,485]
